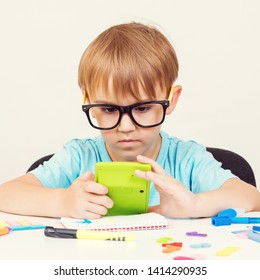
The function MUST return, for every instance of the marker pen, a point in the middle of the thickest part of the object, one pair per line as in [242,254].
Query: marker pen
[88,234]
[253,236]
[256,229]
[27,227]
[4,230]
[225,221]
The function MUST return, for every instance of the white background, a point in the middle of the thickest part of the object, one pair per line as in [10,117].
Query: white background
[217,43]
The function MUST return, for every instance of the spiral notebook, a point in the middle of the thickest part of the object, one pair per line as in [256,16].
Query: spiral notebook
[147,221]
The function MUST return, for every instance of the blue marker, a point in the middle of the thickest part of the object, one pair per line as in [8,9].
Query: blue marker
[256,229]
[27,227]
[225,221]
[253,236]
[231,212]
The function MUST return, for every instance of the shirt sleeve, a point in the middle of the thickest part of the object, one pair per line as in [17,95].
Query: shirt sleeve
[203,171]
[62,169]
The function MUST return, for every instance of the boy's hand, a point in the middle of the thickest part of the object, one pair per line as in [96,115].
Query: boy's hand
[86,199]
[175,199]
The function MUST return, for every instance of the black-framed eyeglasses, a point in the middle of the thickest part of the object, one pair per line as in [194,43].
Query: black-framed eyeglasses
[143,114]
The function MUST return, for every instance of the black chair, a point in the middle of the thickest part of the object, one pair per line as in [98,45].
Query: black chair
[234,162]
[39,162]
[230,160]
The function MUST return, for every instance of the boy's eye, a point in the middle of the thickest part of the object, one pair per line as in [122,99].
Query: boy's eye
[142,109]
[109,109]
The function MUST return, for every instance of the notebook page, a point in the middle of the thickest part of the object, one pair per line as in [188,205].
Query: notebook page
[119,223]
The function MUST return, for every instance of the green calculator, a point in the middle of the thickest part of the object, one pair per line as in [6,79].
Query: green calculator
[129,193]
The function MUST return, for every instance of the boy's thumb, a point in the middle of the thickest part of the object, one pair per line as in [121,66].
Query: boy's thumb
[87,176]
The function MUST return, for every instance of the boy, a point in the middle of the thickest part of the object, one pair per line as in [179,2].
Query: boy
[127,77]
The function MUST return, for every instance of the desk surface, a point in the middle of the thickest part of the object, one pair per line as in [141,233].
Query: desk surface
[33,244]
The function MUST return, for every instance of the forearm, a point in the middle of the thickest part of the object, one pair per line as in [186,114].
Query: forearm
[233,194]
[25,198]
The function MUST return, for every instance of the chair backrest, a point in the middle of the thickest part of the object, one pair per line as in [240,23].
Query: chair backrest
[39,162]
[234,162]
[230,160]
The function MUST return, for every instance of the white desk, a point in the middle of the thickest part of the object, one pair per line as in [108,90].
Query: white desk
[33,244]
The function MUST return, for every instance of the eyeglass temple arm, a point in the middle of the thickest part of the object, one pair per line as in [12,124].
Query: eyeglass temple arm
[84,97]
[171,93]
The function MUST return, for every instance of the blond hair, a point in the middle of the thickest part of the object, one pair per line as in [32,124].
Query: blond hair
[131,56]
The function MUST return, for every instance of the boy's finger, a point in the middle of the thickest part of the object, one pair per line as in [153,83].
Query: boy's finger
[93,187]
[150,175]
[97,209]
[161,182]
[101,200]
[89,215]
[155,166]
[87,176]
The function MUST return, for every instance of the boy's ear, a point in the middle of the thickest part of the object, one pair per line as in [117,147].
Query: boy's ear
[174,100]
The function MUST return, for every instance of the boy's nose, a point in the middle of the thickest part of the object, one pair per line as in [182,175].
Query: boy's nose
[126,124]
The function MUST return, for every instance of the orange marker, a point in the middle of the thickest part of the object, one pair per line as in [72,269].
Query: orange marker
[4,230]
[171,248]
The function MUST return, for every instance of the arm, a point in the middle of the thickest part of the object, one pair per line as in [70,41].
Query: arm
[234,193]
[177,201]
[27,196]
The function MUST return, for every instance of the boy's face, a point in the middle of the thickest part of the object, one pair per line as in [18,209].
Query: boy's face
[128,140]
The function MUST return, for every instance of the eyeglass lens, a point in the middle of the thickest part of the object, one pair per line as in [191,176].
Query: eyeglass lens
[144,115]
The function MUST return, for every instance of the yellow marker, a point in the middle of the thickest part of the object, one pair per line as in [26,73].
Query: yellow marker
[227,251]
[3,224]
[102,235]
[88,234]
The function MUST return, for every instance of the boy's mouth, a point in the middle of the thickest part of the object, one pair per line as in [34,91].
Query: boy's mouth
[128,142]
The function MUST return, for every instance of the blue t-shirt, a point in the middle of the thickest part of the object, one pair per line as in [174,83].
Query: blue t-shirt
[186,161]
